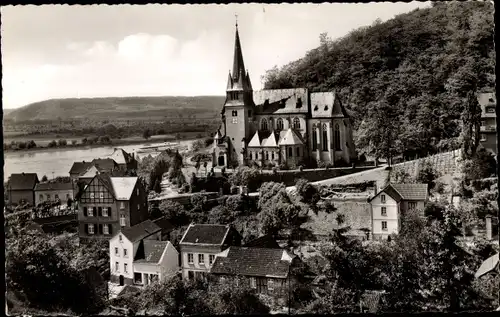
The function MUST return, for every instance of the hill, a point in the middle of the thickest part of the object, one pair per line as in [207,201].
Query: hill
[405,81]
[119,108]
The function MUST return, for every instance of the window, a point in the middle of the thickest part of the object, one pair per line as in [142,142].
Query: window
[91,212]
[326,108]
[272,156]
[298,152]
[125,252]
[384,211]
[138,278]
[325,138]
[120,238]
[105,229]
[211,259]
[250,155]
[190,275]
[279,124]
[296,123]
[290,152]
[270,285]
[122,205]
[138,206]
[91,229]
[315,138]
[117,266]
[299,102]
[105,212]
[235,113]
[41,197]
[190,258]
[122,221]
[337,138]
[483,137]
[267,156]
[382,198]
[48,196]
[249,113]
[263,125]
[253,282]
[384,225]
[201,258]
[235,120]
[117,253]
[137,191]
[490,110]
[412,205]
[92,195]
[125,267]
[101,195]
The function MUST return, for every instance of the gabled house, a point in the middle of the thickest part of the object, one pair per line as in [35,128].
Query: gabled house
[391,203]
[21,188]
[77,169]
[267,270]
[200,244]
[110,203]
[124,160]
[139,257]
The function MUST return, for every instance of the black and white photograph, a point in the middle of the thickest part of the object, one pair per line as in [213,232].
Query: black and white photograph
[250,158]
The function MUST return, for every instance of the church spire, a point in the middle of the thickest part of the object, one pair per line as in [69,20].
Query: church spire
[238,65]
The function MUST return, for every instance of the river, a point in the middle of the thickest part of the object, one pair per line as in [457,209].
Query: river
[55,163]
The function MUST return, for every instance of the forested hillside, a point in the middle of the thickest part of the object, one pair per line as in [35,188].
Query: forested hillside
[405,81]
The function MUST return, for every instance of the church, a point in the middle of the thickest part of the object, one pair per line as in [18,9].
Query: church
[279,127]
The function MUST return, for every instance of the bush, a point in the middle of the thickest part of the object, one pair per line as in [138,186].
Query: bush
[73,142]
[62,142]
[52,143]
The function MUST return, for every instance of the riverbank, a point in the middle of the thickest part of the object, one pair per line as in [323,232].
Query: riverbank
[114,143]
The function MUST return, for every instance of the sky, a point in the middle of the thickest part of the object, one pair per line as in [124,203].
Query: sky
[61,51]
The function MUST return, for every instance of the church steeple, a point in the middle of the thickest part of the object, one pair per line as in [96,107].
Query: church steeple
[238,64]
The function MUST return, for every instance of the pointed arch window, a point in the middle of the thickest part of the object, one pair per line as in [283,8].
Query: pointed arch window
[338,146]
[315,138]
[263,125]
[290,152]
[296,123]
[325,138]
[279,124]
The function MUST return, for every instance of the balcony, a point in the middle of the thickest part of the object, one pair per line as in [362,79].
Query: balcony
[487,128]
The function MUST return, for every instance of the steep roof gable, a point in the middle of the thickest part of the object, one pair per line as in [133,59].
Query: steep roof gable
[123,186]
[150,251]
[205,234]
[291,138]
[23,181]
[91,171]
[140,230]
[327,105]
[253,262]
[79,167]
[255,141]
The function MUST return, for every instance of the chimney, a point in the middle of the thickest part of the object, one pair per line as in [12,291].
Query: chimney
[488,228]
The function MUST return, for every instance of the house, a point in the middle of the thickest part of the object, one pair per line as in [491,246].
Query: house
[77,169]
[268,270]
[279,126]
[53,191]
[393,201]
[110,203]
[21,188]
[488,128]
[200,244]
[138,256]
[124,160]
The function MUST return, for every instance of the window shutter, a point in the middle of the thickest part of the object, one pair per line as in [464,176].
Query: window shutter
[86,227]
[85,212]
[99,211]
[109,229]
[100,228]
[109,212]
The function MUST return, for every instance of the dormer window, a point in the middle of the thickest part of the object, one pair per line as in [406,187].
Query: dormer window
[315,108]
[266,103]
[491,100]
[326,108]
[299,102]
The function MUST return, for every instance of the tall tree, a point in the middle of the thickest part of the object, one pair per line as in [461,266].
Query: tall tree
[471,117]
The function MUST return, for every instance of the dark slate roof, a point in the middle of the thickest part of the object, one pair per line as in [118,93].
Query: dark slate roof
[140,230]
[79,167]
[150,251]
[252,262]
[281,101]
[164,224]
[266,241]
[54,186]
[104,164]
[205,234]
[411,191]
[23,181]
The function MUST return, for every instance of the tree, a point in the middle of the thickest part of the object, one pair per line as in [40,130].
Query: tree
[205,164]
[52,143]
[427,175]
[471,117]
[198,145]
[62,142]
[172,210]
[146,134]
[482,165]
[44,178]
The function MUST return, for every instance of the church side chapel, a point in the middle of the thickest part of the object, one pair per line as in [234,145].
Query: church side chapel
[279,127]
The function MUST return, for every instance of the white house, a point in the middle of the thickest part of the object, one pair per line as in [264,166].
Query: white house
[138,256]
[391,202]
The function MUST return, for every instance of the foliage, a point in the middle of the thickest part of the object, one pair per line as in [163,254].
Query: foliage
[146,134]
[44,178]
[246,176]
[308,193]
[427,175]
[471,117]
[482,165]
[198,145]
[173,211]
[416,68]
